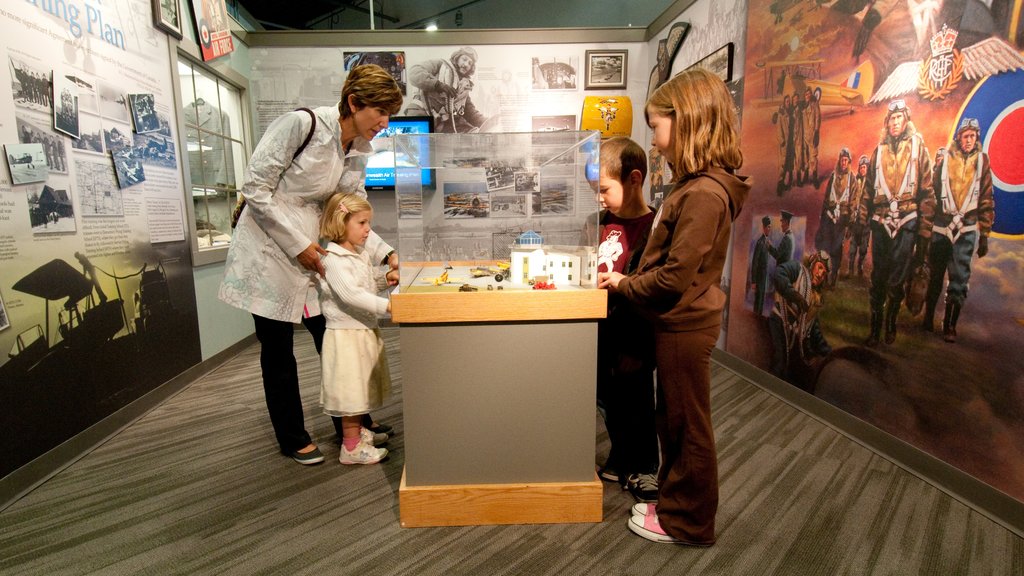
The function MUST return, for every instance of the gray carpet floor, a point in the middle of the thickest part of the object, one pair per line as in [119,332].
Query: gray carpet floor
[197,486]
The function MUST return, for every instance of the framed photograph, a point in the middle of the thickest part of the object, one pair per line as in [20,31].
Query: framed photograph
[719,62]
[606,69]
[167,17]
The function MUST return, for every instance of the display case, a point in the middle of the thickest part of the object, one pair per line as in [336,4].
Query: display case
[498,307]
[502,216]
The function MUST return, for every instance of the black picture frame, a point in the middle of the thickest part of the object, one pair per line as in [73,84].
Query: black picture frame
[606,69]
[718,62]
[167,17]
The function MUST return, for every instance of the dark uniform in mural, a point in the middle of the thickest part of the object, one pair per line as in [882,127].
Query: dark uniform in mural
[783,119]
[759,265]
[835,214]
[795,330]
[784,251]
[964,212]
[810,118]
[898,206]
[857,231]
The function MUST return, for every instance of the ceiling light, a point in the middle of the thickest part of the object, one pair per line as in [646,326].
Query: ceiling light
[432,27]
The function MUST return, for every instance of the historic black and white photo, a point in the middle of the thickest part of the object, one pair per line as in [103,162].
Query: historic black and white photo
[27,163]
[167,17]
[508,206]
[143,113]
[65,105]
[90,137]
[560,123]
[53,144]
[606,69]
[128,167]
[51,211]
[554,72]
[30,86]
[445,92]
[113,103]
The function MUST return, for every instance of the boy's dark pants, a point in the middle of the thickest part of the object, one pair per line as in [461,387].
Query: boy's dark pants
[628,402]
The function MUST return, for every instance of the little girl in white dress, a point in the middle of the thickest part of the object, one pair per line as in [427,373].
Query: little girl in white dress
[354,375]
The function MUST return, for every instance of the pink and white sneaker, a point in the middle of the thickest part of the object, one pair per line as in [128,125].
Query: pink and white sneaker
[643,509]
[647,526]
[363,453]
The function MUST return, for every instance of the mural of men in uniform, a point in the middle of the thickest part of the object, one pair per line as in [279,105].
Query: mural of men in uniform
[964,213]
[856,231]
[444,88]
[795,331]
[835,214]
[784,251]
[899,203]
[797,135]
[811,134]
[783,119]
[763,248]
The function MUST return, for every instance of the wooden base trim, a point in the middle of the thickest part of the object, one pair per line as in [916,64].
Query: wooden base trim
[483,504]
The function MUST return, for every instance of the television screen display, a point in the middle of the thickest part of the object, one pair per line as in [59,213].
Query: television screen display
[380,166]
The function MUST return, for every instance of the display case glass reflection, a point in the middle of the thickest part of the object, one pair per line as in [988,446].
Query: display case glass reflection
[512,212]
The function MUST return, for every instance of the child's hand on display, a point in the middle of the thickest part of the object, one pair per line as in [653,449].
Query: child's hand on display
[609,280]
[392,277]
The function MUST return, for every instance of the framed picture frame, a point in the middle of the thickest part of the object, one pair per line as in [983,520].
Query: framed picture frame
[718,62]
[167,17]
[606,69]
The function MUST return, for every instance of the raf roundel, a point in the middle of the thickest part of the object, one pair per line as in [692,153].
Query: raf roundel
[998,104]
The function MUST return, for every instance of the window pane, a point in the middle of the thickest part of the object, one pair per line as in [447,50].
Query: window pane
[216,160]
[206,103]
[231,111]
[237,160]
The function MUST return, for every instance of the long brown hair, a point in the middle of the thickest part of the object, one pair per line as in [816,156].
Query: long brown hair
[705,128]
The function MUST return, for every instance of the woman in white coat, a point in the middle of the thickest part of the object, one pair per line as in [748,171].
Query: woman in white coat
[274,257]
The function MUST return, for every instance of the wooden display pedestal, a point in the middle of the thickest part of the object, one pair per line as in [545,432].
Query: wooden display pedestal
[499,411]
[481,504]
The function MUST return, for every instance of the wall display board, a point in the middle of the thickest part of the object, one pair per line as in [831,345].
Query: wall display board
[98,294]
[493,85]
[905,347]
[496,89]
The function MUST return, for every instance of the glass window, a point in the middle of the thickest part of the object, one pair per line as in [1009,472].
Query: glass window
[212,113]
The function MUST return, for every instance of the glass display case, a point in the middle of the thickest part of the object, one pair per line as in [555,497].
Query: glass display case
[500,213]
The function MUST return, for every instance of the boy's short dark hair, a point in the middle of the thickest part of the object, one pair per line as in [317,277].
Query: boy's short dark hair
[620,156]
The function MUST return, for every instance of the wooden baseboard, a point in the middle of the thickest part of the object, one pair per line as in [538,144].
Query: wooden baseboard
[483,504]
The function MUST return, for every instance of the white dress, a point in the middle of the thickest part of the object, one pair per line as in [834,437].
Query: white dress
[354,367]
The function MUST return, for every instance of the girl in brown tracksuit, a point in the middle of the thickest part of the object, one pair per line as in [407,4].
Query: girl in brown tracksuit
[677,283]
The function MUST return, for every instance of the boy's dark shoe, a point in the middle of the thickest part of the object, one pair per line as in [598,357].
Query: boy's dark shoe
[643,487]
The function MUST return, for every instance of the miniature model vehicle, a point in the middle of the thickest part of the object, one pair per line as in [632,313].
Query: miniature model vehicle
[499,271]
[439,280]
[468,288]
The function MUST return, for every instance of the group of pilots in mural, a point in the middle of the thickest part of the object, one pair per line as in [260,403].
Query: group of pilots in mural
[924,218]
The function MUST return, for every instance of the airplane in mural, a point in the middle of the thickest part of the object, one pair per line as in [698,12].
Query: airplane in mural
[787,77]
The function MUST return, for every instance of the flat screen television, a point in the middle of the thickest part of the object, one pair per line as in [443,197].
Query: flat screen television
[380,166]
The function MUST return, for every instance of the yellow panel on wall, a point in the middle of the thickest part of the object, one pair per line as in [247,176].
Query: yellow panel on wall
[609,115]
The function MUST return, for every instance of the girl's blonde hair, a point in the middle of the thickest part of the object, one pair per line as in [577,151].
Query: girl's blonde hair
[705,128]
[339,207]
